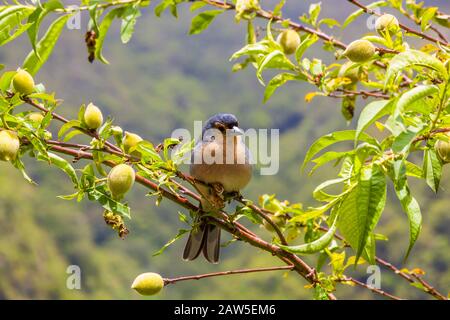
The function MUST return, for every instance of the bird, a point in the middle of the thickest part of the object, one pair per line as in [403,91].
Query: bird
[221,162]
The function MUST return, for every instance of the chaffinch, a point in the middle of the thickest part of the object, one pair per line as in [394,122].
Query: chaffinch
[221,162]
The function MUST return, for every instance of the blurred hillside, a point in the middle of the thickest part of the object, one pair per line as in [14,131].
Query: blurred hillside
[163,80]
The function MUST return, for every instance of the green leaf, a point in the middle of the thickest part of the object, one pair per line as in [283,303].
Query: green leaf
[5,80]
[103,30]
[330,23]
[69,125]
[427,15]
[45,46]
[312,213]
[327,157]
[432,169]
[370,203]
[261,47]
[181,232]
[61,163]
[249,214]
[314,11]
[159,9]
[128,22]
[411,96]
[351,225]
[21,167]
[11,22]
[109,203]
[360,12]
[403,141]
[203,20]
[278,81]
[307,42]
[35,19]
[319,193]
[371,113]
[411,58]
[316,245]
[413,170]
[409,203]
[335,137]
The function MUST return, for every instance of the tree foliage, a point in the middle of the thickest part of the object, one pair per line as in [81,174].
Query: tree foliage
[407,114]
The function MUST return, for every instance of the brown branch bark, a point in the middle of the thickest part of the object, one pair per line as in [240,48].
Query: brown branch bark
[225,273]
[373,289]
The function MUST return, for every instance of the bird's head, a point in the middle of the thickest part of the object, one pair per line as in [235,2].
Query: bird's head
[225,123]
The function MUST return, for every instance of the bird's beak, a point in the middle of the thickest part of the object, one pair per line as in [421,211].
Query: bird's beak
[236,131]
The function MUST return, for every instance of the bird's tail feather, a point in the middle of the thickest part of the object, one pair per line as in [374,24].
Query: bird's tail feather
[206,239]
[211,246]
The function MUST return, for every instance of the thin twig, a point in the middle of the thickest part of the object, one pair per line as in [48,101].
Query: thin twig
[263,215]
[429,288]
[225,273]
[375,94]
[373,289]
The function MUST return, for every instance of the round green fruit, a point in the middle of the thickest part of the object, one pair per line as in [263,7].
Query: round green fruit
[148,284]
[9,145]
[289,41]
[48,135]
[121,179]
[23,82]
[36,117]
[130,141]
[93,117]
[386,23]
[360,51]
[116,130]
[443,150]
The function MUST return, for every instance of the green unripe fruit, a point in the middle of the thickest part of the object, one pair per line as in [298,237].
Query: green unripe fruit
[130,141]
[148,284]
[289,41]
[23,82]
[9,145]
[116,130]
[386,23]
[120,179]
[360,51]
[36,117]
[48,135]
[93,117]
[443,150]
[280,221]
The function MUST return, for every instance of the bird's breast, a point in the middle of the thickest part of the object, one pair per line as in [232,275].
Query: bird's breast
[227,163]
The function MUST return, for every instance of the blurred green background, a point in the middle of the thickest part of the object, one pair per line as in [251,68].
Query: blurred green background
[163,80]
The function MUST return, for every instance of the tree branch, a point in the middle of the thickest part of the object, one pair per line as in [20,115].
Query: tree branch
[225,273]
[222,221]
[373,289]
[404,27]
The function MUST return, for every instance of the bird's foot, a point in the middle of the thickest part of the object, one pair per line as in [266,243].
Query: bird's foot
[218,188]
[233,195]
